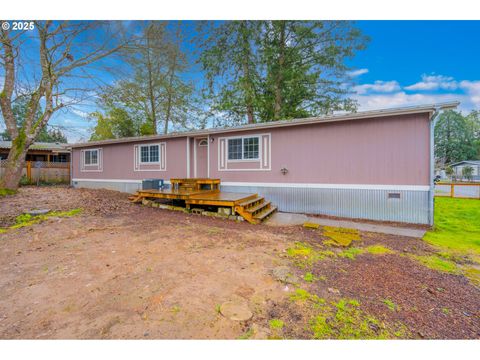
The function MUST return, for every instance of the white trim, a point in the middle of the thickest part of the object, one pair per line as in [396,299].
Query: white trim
[333,186]
[208,156]
[203,139]
[117,180]
[98,167]
[140,162]
[137,157]
[194,157]
[227,139]
[188,157]
[91,150]
[262,161]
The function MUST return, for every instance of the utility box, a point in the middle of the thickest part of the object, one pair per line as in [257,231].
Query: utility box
[152,184]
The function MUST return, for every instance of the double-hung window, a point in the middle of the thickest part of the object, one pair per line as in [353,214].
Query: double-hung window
[149,153]
[91,157]
[243,148]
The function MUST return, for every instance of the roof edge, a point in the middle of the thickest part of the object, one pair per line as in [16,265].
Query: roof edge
[430,108]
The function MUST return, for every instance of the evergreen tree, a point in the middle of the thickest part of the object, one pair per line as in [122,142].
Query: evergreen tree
[454,140]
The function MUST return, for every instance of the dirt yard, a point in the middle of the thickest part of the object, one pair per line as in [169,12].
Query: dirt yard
[119,270]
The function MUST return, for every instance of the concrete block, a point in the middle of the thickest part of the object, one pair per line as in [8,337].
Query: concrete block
[226,211]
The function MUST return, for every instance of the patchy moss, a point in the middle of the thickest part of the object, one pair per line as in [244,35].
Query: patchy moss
[435,262]
[310,225]
[473,274]
[378,250]
[276,324]
[6,192]
[302,295]
[28,220]
[246,335]
[345,320]
[390,304]
[305,255]
[350,253]
[340,236]
[446,311]
[309,277]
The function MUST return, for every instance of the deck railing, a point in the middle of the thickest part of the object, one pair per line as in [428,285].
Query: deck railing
[458,190]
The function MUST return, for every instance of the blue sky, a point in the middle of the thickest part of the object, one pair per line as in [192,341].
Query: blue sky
[405,63]
[413,62]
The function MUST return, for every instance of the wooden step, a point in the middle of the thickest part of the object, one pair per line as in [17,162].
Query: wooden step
[258,207]
[265,214]
[250,202]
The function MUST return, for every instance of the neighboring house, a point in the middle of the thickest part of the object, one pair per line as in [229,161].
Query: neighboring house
[372,165]
[45,162]
[458,168]
[52,152]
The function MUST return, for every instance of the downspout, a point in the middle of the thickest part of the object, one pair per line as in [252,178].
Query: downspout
[431,193]
[71,167]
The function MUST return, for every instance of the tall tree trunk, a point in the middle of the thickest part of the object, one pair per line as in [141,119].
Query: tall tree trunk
[15,164]
[277,110]
[168,113]
[151,95]
[248,87]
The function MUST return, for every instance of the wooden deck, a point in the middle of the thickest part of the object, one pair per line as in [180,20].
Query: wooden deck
[250,206]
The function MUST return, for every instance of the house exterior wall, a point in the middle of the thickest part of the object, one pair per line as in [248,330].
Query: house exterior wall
[367,168]
[120,169]
[386,151]
[347,169]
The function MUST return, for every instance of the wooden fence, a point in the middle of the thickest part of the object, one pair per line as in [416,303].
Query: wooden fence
[43,171]
[458,190]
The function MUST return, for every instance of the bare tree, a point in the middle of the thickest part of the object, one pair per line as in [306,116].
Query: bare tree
[41,65]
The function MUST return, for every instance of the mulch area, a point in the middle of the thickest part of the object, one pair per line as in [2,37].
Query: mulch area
[431,304]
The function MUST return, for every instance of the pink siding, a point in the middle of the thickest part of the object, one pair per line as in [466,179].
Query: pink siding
[382,151]
[202,159]
[118,162]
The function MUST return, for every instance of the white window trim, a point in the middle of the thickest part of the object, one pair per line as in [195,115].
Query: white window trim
[222,156]
[201,140]
[85,157]
[242,159]
[148,162]
[158,165]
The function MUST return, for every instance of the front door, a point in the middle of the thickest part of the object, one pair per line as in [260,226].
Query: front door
[201,158]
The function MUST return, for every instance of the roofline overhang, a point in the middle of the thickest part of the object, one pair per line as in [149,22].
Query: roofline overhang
[430,108]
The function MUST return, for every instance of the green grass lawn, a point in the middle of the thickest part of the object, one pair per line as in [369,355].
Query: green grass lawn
[457,227]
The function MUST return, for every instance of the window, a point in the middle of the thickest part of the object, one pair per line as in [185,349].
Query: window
[235,149]
[91,157]
[149,153]
[250,148]
[243,148]
[203,142]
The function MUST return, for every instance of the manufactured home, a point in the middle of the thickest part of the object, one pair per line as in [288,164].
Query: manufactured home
[372,164]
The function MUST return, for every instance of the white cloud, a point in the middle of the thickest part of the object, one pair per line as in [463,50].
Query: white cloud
[379,87]
[432,89]
[434,82]
[472,88]
[401,98]
[356,73]
[82,114]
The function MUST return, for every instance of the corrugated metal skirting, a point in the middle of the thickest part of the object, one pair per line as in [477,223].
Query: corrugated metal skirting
[411,207]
